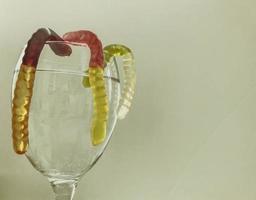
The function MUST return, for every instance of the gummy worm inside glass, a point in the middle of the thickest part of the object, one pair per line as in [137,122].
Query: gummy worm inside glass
[24,86]
[117,50]
[96,81]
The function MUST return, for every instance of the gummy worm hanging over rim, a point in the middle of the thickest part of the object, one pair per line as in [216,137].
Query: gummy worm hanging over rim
[118,50]
[24,86]
[96,81]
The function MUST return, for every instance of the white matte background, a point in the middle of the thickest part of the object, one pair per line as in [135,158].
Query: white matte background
[191,132]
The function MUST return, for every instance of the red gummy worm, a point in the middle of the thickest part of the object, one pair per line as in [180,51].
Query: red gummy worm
[36,44]
[25,81]
[92,41]
[96,82]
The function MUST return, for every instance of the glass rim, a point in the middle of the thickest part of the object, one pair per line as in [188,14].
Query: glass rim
[71,72]
[74,72]
[66,42]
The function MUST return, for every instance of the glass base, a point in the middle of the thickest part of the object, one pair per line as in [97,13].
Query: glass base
[63,189]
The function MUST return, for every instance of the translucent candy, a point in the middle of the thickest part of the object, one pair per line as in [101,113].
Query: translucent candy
[24,85]
[92,41]
[116,50]
[96,82]
[20,108]
[100,105]
[37,42]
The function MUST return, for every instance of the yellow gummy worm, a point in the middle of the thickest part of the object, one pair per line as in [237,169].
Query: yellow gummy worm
[100,105]
[117,50]
[96,81]
[20,109]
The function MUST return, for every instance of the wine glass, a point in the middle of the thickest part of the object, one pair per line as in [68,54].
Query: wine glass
[60,116]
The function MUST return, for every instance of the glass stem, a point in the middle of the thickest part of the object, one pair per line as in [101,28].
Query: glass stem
[63,189]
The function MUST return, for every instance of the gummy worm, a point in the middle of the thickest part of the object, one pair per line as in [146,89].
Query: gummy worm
[116,50]
[24,86]
[96,82]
